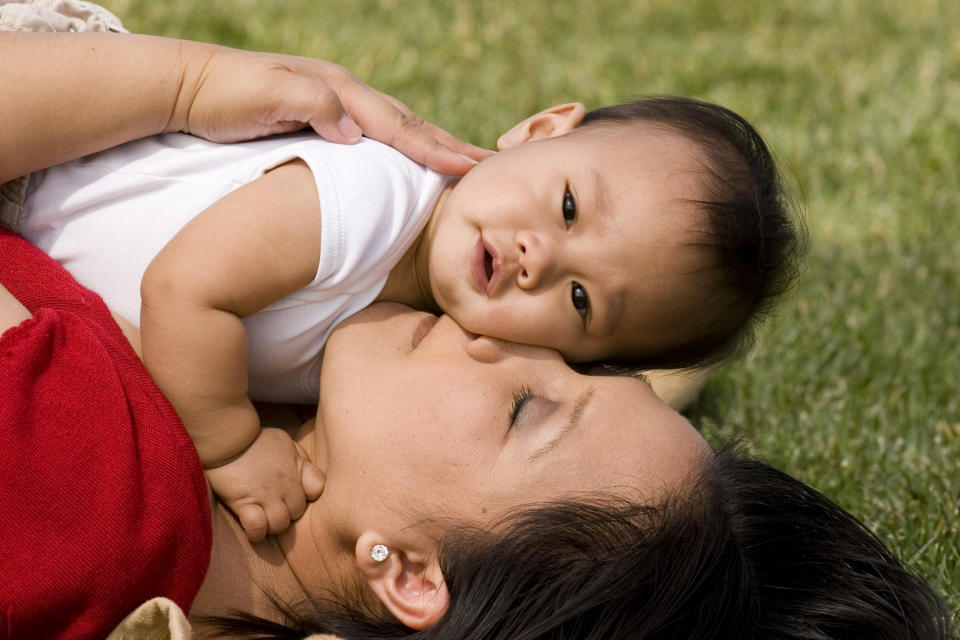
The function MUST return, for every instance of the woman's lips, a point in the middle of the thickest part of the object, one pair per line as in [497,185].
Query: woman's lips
[422,329]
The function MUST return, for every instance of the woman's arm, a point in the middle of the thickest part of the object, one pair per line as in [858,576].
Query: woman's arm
[71,94]
[68,95]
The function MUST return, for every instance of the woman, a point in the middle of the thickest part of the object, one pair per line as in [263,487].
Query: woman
[474,489]
[633,529]
[431,441]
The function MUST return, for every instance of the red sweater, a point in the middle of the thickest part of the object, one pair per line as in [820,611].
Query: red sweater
[103,502]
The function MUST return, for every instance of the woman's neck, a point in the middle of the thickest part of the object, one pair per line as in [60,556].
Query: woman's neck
[306,561]
[241,574]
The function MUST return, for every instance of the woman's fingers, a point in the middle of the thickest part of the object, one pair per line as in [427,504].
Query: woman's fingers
[439,134]
[312,101]
[241,95]
[388,120]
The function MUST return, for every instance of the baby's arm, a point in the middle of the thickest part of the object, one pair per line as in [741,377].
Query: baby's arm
[252,247]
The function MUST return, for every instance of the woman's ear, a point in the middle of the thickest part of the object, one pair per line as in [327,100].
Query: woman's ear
[555,121]
[408,582]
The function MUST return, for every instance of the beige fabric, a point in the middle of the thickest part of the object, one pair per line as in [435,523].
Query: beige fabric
[57,16]
[156,619]
[162,619]
[62,16]
[679,389]
[11,202]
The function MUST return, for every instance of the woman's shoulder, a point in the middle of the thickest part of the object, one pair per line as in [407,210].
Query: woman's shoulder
[104,496]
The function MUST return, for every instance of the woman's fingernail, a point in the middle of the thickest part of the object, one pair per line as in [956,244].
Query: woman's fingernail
[349,129]
[467,158]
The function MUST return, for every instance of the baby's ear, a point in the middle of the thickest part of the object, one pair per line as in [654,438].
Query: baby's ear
[555,121]
[406,581]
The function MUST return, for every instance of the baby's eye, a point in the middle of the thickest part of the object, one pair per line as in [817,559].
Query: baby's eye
[580,299]
[569,208]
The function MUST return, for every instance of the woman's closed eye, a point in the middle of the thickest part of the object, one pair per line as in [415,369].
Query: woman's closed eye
[568,208]
[520,398]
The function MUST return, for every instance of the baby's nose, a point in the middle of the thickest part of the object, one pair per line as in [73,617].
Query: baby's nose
[535,260]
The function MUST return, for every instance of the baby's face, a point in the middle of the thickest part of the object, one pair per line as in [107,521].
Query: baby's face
[577,242]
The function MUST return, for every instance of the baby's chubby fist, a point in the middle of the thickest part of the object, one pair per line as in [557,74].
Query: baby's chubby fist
[268,485]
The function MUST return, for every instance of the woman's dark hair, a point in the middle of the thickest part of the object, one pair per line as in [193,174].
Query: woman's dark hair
[752,242]
[748,552]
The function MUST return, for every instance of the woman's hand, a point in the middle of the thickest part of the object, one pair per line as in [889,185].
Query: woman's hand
[229,95]
[103,89]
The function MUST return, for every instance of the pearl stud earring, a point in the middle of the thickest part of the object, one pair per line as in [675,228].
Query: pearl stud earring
[379,552]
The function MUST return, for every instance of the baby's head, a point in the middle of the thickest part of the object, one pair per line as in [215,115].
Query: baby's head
[652,234]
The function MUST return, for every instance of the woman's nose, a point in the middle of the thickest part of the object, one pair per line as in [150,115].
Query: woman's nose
[536,260]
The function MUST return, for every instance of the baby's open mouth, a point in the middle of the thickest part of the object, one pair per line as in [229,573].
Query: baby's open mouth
[483,265]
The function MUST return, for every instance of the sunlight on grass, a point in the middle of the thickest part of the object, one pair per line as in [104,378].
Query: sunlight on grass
[853,385]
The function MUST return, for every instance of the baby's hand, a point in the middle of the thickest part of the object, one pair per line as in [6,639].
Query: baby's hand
[268,485]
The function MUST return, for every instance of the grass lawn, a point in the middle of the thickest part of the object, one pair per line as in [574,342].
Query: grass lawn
[853,386]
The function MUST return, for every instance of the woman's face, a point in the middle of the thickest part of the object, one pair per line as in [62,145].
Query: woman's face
[418,415]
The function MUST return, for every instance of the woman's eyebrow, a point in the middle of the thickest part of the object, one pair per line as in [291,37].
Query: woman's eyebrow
[573,421]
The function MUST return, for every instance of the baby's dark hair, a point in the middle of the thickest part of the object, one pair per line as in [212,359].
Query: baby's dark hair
[746,552]
[753,241]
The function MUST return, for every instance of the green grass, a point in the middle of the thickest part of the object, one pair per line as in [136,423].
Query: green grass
[853,386]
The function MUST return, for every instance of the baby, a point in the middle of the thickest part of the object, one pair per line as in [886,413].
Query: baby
[650,234]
